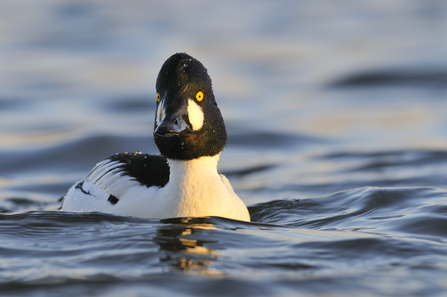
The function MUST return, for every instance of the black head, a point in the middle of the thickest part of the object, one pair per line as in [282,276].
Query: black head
[188,123]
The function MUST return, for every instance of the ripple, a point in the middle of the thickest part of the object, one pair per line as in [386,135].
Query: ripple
[379,210]
[412,77]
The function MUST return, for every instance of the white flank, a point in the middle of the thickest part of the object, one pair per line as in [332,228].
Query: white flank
[195,189]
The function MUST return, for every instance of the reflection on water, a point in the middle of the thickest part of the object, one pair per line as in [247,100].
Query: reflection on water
[180,248]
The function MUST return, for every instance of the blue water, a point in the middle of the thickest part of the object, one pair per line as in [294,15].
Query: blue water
[337,121]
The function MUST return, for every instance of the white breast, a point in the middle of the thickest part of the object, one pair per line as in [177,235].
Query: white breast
[195,189]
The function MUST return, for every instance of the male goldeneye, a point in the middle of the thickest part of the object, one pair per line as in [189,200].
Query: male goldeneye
[190,133]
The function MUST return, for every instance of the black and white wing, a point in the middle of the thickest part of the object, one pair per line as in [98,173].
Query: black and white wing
[109,181]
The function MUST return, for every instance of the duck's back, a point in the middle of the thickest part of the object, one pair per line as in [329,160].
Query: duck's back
[146,186]
[111,179]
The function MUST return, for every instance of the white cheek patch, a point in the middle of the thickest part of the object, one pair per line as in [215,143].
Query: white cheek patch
[195,115]
[160,112]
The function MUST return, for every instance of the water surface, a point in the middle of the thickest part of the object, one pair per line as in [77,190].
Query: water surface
[336,114]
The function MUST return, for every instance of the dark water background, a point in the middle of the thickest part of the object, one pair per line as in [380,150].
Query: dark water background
[337,121]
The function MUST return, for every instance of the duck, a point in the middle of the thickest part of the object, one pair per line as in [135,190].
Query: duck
[183,181]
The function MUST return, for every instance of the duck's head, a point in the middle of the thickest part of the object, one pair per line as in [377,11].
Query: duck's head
[188,123]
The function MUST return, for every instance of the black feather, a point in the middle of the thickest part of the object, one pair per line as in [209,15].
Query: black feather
[112,199]
[79,186]
[180,78]
[148,170]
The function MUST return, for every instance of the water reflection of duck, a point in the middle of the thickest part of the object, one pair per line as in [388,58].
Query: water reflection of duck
[190,133]
[182,250]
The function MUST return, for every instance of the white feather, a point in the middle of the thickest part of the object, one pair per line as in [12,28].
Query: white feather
[195,115]
[195,189]
[160,112]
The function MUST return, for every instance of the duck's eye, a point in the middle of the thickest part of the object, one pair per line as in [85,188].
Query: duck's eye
[158,97]
[199,96]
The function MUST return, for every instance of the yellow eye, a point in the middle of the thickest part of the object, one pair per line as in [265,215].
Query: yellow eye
[158,97]
[199,96]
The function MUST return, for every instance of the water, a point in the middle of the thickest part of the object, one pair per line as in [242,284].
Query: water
[336,114]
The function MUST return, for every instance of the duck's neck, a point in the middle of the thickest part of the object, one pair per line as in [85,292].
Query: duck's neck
[197,189]
[193,170]
[196,186]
